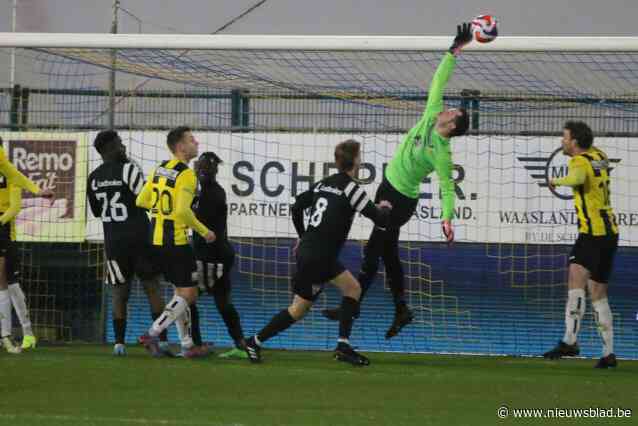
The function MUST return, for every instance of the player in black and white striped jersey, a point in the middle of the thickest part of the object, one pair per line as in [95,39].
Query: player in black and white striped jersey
[111,190]
[333,202]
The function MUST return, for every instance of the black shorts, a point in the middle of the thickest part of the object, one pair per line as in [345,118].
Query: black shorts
[214,263]
[5,239]
[126,259]
[9,251]
[312,274]
[596,254]
[402,207]
[177,263]
[12,263]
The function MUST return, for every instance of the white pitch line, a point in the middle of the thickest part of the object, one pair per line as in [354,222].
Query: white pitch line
[89,419]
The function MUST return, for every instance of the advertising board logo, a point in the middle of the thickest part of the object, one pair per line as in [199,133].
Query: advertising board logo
[542,169]
[50,164]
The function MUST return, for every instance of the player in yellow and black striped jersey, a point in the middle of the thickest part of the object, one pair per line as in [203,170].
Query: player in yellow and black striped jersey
[593,253]
[168,194]
[10,205]
[11,184]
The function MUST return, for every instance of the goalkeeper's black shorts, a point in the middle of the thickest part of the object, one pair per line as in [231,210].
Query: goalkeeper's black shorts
[402,207]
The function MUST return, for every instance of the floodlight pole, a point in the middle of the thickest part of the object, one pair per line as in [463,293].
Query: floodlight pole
[112,86]
[12,63]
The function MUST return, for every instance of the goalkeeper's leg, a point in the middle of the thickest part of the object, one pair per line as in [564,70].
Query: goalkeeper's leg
[394,271]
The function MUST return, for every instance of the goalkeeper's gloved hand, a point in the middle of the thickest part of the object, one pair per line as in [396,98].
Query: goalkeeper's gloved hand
[448,230]
[463,37]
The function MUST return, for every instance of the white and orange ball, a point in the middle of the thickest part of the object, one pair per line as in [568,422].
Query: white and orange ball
[484,28]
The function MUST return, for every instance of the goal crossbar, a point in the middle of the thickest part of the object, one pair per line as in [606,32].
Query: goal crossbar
[300,42]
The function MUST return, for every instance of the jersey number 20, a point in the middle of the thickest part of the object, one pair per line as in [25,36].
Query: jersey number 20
[163,202]
[317,215]
[112,210]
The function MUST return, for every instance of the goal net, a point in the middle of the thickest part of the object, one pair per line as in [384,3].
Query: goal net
[273,108]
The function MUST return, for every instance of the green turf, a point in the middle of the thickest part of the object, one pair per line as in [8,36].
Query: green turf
[85,385]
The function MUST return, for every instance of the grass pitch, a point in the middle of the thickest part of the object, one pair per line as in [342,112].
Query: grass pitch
[85,385]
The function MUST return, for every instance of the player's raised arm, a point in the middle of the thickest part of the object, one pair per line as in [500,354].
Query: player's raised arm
[302,202]
[133,177]
[434,104]
[145,197]
[15,204]
[185,189]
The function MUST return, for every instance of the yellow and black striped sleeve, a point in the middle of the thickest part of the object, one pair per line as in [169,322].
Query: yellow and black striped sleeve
[185,188]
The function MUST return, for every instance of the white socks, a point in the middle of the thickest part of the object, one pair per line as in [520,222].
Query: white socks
[19,304]
[574,311]
[5,313]
[605,322]
[173,310]
[183,324]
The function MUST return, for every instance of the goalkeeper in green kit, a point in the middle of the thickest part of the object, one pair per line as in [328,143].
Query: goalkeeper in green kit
[425,149]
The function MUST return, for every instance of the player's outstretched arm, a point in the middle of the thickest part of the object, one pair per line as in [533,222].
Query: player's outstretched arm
[576,175]
[185,190]
[302,202]
[443,166]
[444,71]
[15,204]
[14,176]
[360,202]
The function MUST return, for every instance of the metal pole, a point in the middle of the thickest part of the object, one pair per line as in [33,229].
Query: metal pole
[116,7]
[12,64]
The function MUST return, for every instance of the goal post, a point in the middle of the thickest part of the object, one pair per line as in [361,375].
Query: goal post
[274,107]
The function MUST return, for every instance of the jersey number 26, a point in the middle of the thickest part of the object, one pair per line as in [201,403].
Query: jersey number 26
[112,210]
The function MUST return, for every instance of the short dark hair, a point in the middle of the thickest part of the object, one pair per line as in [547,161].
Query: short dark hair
[175,136]
[210,157]
[104,139]
[345,153]
[461,123]
[581,132]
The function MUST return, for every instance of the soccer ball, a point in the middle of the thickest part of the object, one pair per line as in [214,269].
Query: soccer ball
[484,28]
